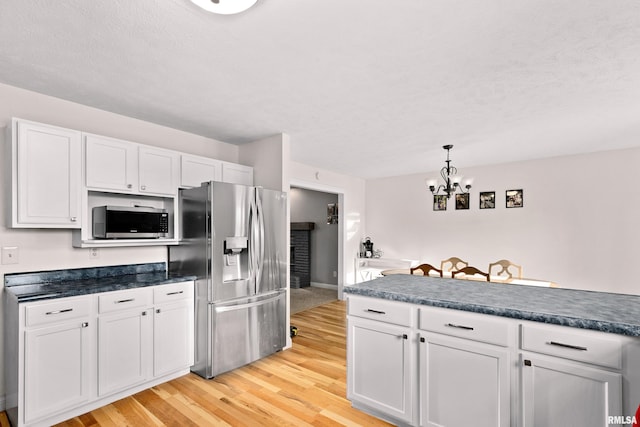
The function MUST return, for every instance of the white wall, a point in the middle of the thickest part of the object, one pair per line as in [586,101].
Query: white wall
[51,249]
[352,210]
[578,226]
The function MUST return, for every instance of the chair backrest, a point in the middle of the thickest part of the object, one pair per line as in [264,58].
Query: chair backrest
[470,271]
[452,264]
[506,268]
[426,269]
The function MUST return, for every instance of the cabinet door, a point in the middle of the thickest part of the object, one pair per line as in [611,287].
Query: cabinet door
[557,392]
[124,349]
[158,171]
[49,167]
[172,337]
[237,174]
[463,382]
[57,366]
[196,170]
[111,164]
[379,362]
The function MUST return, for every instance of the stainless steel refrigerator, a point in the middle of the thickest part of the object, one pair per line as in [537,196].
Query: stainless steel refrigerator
[233,239]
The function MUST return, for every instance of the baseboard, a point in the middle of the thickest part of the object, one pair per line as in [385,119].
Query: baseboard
[324,285]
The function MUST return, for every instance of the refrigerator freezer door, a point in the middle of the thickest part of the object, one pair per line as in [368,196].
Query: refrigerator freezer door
[272,221]
[245,330]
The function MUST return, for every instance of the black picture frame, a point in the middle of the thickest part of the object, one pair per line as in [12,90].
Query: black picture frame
[514,198]
[439,202]
[487,200]
[462,201]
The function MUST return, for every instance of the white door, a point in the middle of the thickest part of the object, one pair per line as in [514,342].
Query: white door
[111,164]
[379,358]
[57,364]
[124,349]
[463,382]
[158,171]
[556,392]
[49,168]
[196,170]
[172,337]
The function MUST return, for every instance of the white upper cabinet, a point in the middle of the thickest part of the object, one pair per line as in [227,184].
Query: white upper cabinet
[158,171]
[195,170]
[127,167]
[46,176]
[237,174]
[111,164]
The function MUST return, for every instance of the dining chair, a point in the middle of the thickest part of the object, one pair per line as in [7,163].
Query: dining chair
[451,264]
[506,270]
[426,269]
[470,271]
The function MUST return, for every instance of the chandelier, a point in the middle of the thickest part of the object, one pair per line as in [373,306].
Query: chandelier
[225,7]
[451,179]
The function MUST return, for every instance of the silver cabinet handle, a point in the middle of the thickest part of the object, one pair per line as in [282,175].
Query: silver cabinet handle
[66,310]
[74,219]
[85,324]
[175,293]
[157,310]
[453,325]
[129,185]
[143,187]
[573,347]
[370,310]
[124,300]
[144,313]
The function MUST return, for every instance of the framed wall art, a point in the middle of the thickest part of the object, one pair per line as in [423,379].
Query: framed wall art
[462,201]
[439,202]
[488,200]
[515,198]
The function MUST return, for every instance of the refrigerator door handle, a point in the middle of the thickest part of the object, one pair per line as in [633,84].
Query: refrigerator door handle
[252,241]
[260,223]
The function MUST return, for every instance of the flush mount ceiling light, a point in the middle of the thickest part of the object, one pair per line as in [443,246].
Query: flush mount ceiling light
[225,7]
[451,179]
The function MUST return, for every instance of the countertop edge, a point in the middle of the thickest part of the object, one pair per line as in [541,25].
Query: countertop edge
[548,318]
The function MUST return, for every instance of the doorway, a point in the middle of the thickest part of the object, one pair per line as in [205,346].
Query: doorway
[315,248]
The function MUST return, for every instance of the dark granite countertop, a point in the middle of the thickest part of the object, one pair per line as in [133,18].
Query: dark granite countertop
[42,285]
[600,311]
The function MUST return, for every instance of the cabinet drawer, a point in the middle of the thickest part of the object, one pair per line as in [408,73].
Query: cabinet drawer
[473,326]
[122,300]
[58,310]
[592,347]
[398,313]
[172,292]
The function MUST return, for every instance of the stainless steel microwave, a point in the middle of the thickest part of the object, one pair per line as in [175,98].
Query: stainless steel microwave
[127,222]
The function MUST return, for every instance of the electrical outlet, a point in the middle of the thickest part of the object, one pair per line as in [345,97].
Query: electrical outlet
[10,255]
[94,253]
[335,274]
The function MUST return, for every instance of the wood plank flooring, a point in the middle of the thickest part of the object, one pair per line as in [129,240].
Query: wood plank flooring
[302,386]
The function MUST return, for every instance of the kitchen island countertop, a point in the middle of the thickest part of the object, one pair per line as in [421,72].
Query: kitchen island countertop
[43,285]
[600,311]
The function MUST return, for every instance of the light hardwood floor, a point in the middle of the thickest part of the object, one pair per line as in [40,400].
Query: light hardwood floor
[302,386]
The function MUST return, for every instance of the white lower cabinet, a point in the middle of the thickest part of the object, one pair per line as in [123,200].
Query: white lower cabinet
[463,381]
[459,368]
[123,349]
[57,357]
[380,359]
[172,348]
[562,393]
[68,356]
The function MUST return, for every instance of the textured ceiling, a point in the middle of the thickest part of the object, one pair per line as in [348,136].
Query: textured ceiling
[368,88]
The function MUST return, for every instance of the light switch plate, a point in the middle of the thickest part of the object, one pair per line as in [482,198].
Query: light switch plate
[10,255]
